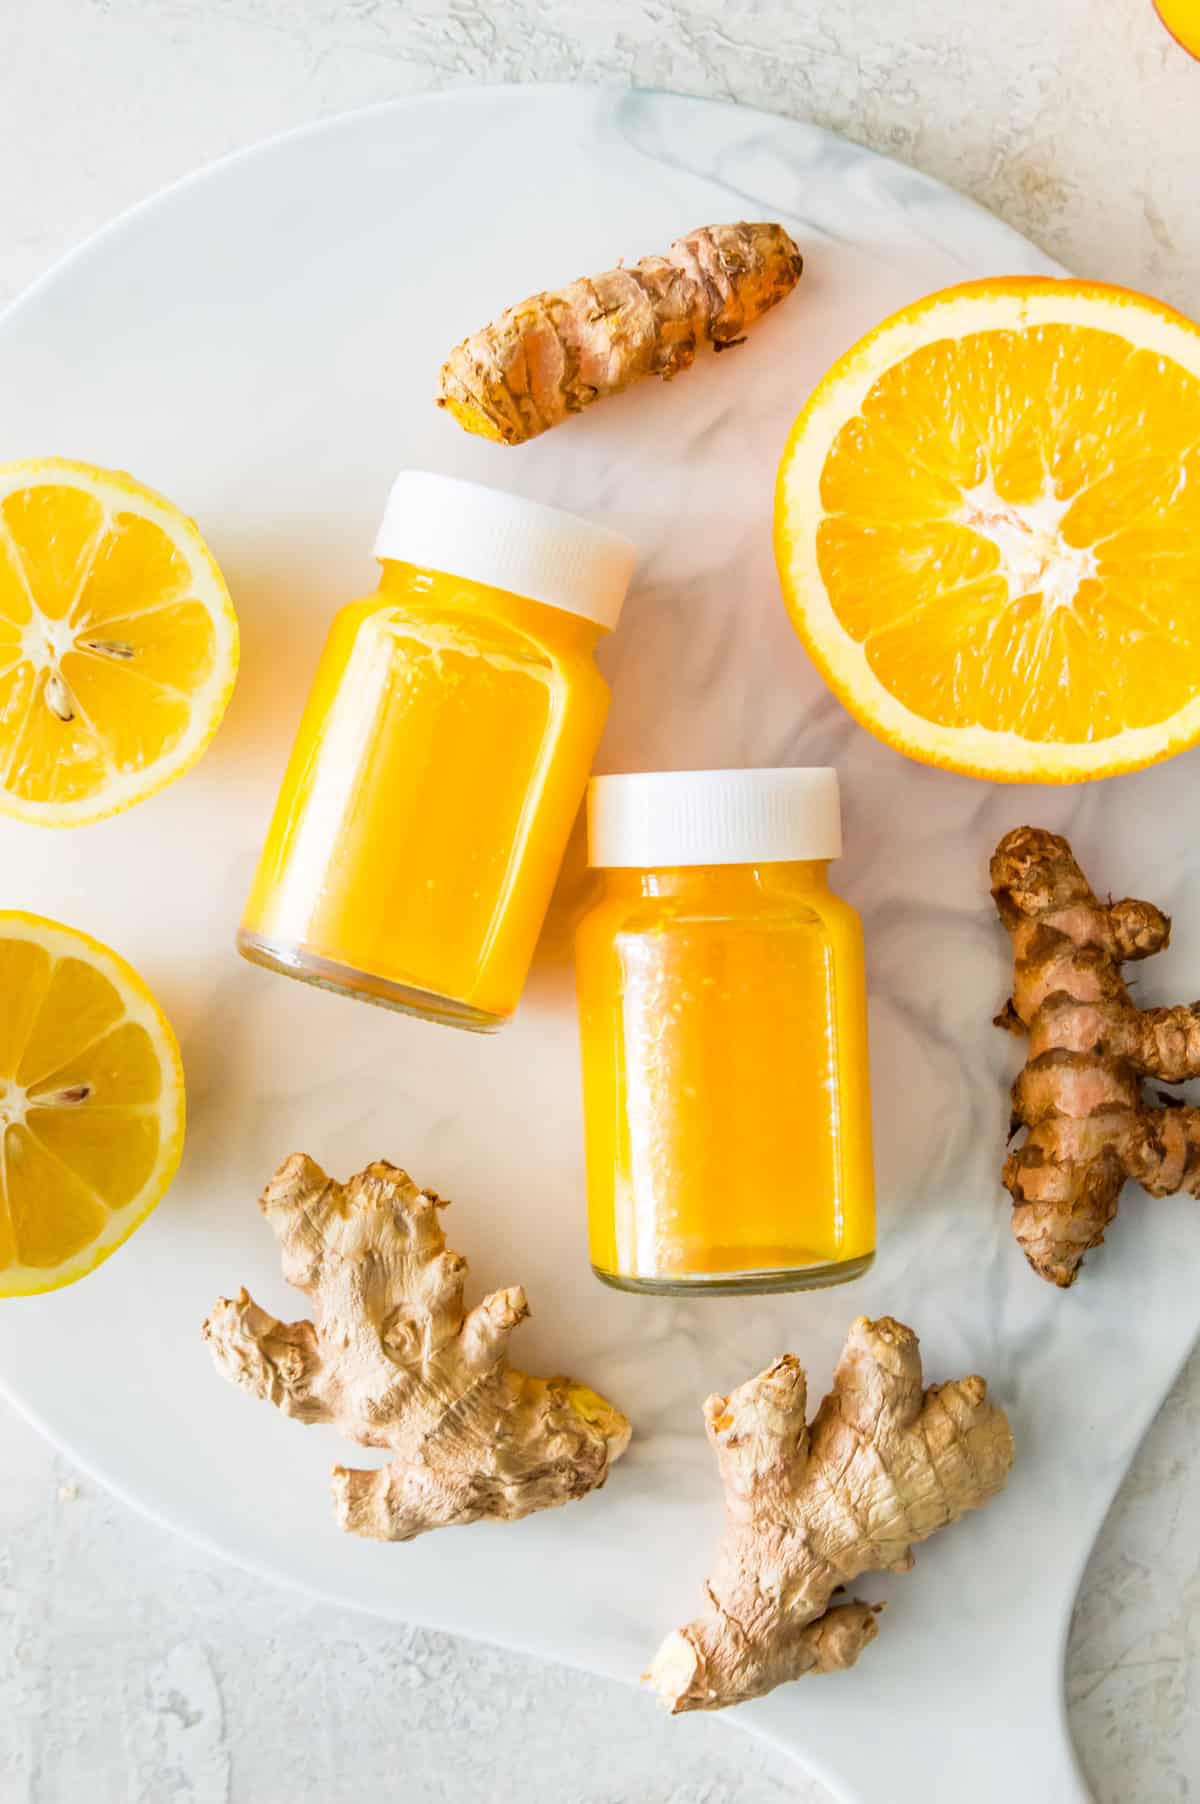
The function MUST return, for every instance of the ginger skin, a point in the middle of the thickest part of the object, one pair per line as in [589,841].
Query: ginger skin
[392,1360]
[883,1466]
[1080,1093]
[555,353]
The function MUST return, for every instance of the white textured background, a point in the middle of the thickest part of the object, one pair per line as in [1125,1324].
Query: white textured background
[134,1670]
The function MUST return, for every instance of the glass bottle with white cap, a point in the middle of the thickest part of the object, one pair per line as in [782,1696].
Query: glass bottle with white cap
[443,756]
[723,1027]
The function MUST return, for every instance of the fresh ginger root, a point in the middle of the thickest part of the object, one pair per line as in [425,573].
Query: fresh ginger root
[393,1362]
[556,353]
[1080,1094]
[884,1465]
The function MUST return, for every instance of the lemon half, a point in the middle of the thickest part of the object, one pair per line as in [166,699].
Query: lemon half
[91,1103]
[118,642]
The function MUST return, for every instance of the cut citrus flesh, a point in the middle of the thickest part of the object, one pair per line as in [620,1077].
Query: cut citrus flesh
[118,642]
[987,526]
[91,1103]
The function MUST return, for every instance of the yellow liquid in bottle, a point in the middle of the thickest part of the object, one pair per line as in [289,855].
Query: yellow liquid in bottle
[726,1082]
[430,795]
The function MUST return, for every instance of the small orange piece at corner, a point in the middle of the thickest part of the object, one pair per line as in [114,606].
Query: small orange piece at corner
[1182,20]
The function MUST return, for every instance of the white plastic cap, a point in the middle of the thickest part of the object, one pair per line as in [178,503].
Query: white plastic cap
[664,818]
[491,537]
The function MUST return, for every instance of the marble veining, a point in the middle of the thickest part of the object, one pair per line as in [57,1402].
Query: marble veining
[240,277]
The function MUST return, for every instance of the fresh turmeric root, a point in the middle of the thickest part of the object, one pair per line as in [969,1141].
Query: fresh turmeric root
[394,1362]
[884,1465]
[1080,1094]
[556,353]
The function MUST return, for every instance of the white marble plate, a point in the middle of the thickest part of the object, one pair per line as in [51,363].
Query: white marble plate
[261,343]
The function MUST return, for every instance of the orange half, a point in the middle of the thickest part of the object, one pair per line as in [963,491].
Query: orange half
[987,527]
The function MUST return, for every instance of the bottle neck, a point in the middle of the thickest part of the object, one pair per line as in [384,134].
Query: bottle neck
[409,583]
[733,884]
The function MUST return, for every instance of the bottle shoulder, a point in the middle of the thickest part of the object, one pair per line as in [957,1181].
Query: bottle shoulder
[449,618]
[671,918]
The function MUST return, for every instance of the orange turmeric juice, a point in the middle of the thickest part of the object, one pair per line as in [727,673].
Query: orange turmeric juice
[438,770]
[726,1083]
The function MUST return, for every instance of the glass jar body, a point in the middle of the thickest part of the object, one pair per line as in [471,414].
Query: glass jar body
[726,1081]
[431,792]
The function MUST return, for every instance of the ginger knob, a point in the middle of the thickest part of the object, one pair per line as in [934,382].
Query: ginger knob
[555,353]
[393,1359]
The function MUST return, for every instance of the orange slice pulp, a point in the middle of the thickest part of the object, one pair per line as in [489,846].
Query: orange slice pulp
[988,530]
